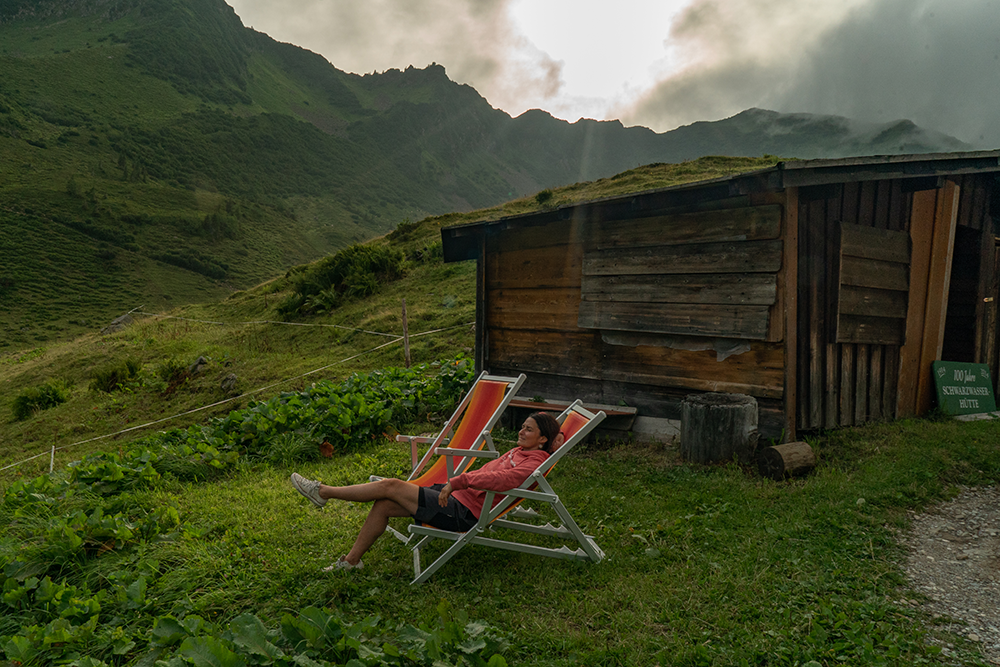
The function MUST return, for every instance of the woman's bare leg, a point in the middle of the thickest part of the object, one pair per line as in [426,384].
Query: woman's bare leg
[393,498]
[374,526]
[403,493]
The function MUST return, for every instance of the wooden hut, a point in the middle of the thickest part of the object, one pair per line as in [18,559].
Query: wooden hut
[823,288]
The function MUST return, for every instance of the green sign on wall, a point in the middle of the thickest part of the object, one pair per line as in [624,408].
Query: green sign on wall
[963,389]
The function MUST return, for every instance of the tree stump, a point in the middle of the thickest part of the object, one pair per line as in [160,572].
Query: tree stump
[789,460]
[717,427]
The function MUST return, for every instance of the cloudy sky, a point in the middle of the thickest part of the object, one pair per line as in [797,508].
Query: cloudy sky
[666,63]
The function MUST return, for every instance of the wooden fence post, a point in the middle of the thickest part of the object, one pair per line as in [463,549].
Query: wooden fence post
[406,338]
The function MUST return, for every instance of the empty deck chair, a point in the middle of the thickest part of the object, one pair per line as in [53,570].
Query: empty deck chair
[577,423]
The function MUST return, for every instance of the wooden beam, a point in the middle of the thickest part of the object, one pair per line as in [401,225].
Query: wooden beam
[939,279]
[788,285]
[921,233]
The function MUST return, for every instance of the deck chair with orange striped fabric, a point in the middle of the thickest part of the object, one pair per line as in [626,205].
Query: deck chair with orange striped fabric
[576,423]
[465,435]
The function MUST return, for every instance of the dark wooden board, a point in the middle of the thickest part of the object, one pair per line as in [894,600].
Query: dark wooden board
[558,266]
[745,322]
[873,273]
[870,302]
[758,372]
[870,243]
[725,288]
[554,308]
[546,351]
[728,257]
[872,330]
[739,224]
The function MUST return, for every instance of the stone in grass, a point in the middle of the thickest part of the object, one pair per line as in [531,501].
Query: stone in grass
[117,324]
[198,366]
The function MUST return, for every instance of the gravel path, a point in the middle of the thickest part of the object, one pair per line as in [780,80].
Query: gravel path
[954,559]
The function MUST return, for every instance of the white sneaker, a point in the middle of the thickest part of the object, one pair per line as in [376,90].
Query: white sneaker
[308,488]
[342,564]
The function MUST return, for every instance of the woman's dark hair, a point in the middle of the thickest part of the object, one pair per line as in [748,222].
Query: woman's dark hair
[547,426]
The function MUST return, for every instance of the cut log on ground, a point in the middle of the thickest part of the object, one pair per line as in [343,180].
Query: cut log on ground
[717,427]
[783,461]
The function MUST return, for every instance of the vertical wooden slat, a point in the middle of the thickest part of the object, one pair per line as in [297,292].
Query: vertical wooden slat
[899,220]
[866,204]
[849,203]
[890,359]
[921,225]
[817,306]
[861,388]
[875,375]
[897,204]
[882,197]
[805,270]
[847,382]
[907,212]
[939,279]
[964,199]
[849,375]
[790,289]
[978,209]
[832,277]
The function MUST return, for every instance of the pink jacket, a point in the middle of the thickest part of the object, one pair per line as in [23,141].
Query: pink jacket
[502,474]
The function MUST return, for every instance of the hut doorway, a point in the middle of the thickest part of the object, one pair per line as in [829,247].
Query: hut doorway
[971,323]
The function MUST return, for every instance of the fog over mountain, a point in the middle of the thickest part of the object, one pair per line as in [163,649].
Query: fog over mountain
[935,62]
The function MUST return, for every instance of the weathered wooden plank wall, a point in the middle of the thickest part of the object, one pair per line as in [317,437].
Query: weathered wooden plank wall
[841,384]
[575,303]
[703,273]
[534,278]
[841,381]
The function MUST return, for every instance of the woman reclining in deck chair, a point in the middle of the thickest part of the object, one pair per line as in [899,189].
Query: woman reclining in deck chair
[453,506]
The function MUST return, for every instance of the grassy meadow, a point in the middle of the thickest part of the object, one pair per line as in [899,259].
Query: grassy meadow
[165,543]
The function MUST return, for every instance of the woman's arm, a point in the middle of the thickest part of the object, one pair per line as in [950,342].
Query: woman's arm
[443,496]
[500,475]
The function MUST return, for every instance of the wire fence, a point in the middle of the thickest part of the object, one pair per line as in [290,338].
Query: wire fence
[51,452]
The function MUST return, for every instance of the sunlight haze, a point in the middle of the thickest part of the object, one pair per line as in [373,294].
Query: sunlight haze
[670,63]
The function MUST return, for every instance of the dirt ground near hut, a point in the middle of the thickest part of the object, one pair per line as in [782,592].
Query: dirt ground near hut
[954,561]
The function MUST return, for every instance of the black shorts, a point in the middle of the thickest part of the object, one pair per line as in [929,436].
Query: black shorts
[455,517]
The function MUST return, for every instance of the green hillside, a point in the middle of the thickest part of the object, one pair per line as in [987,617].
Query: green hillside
[175,536]
[160,152]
